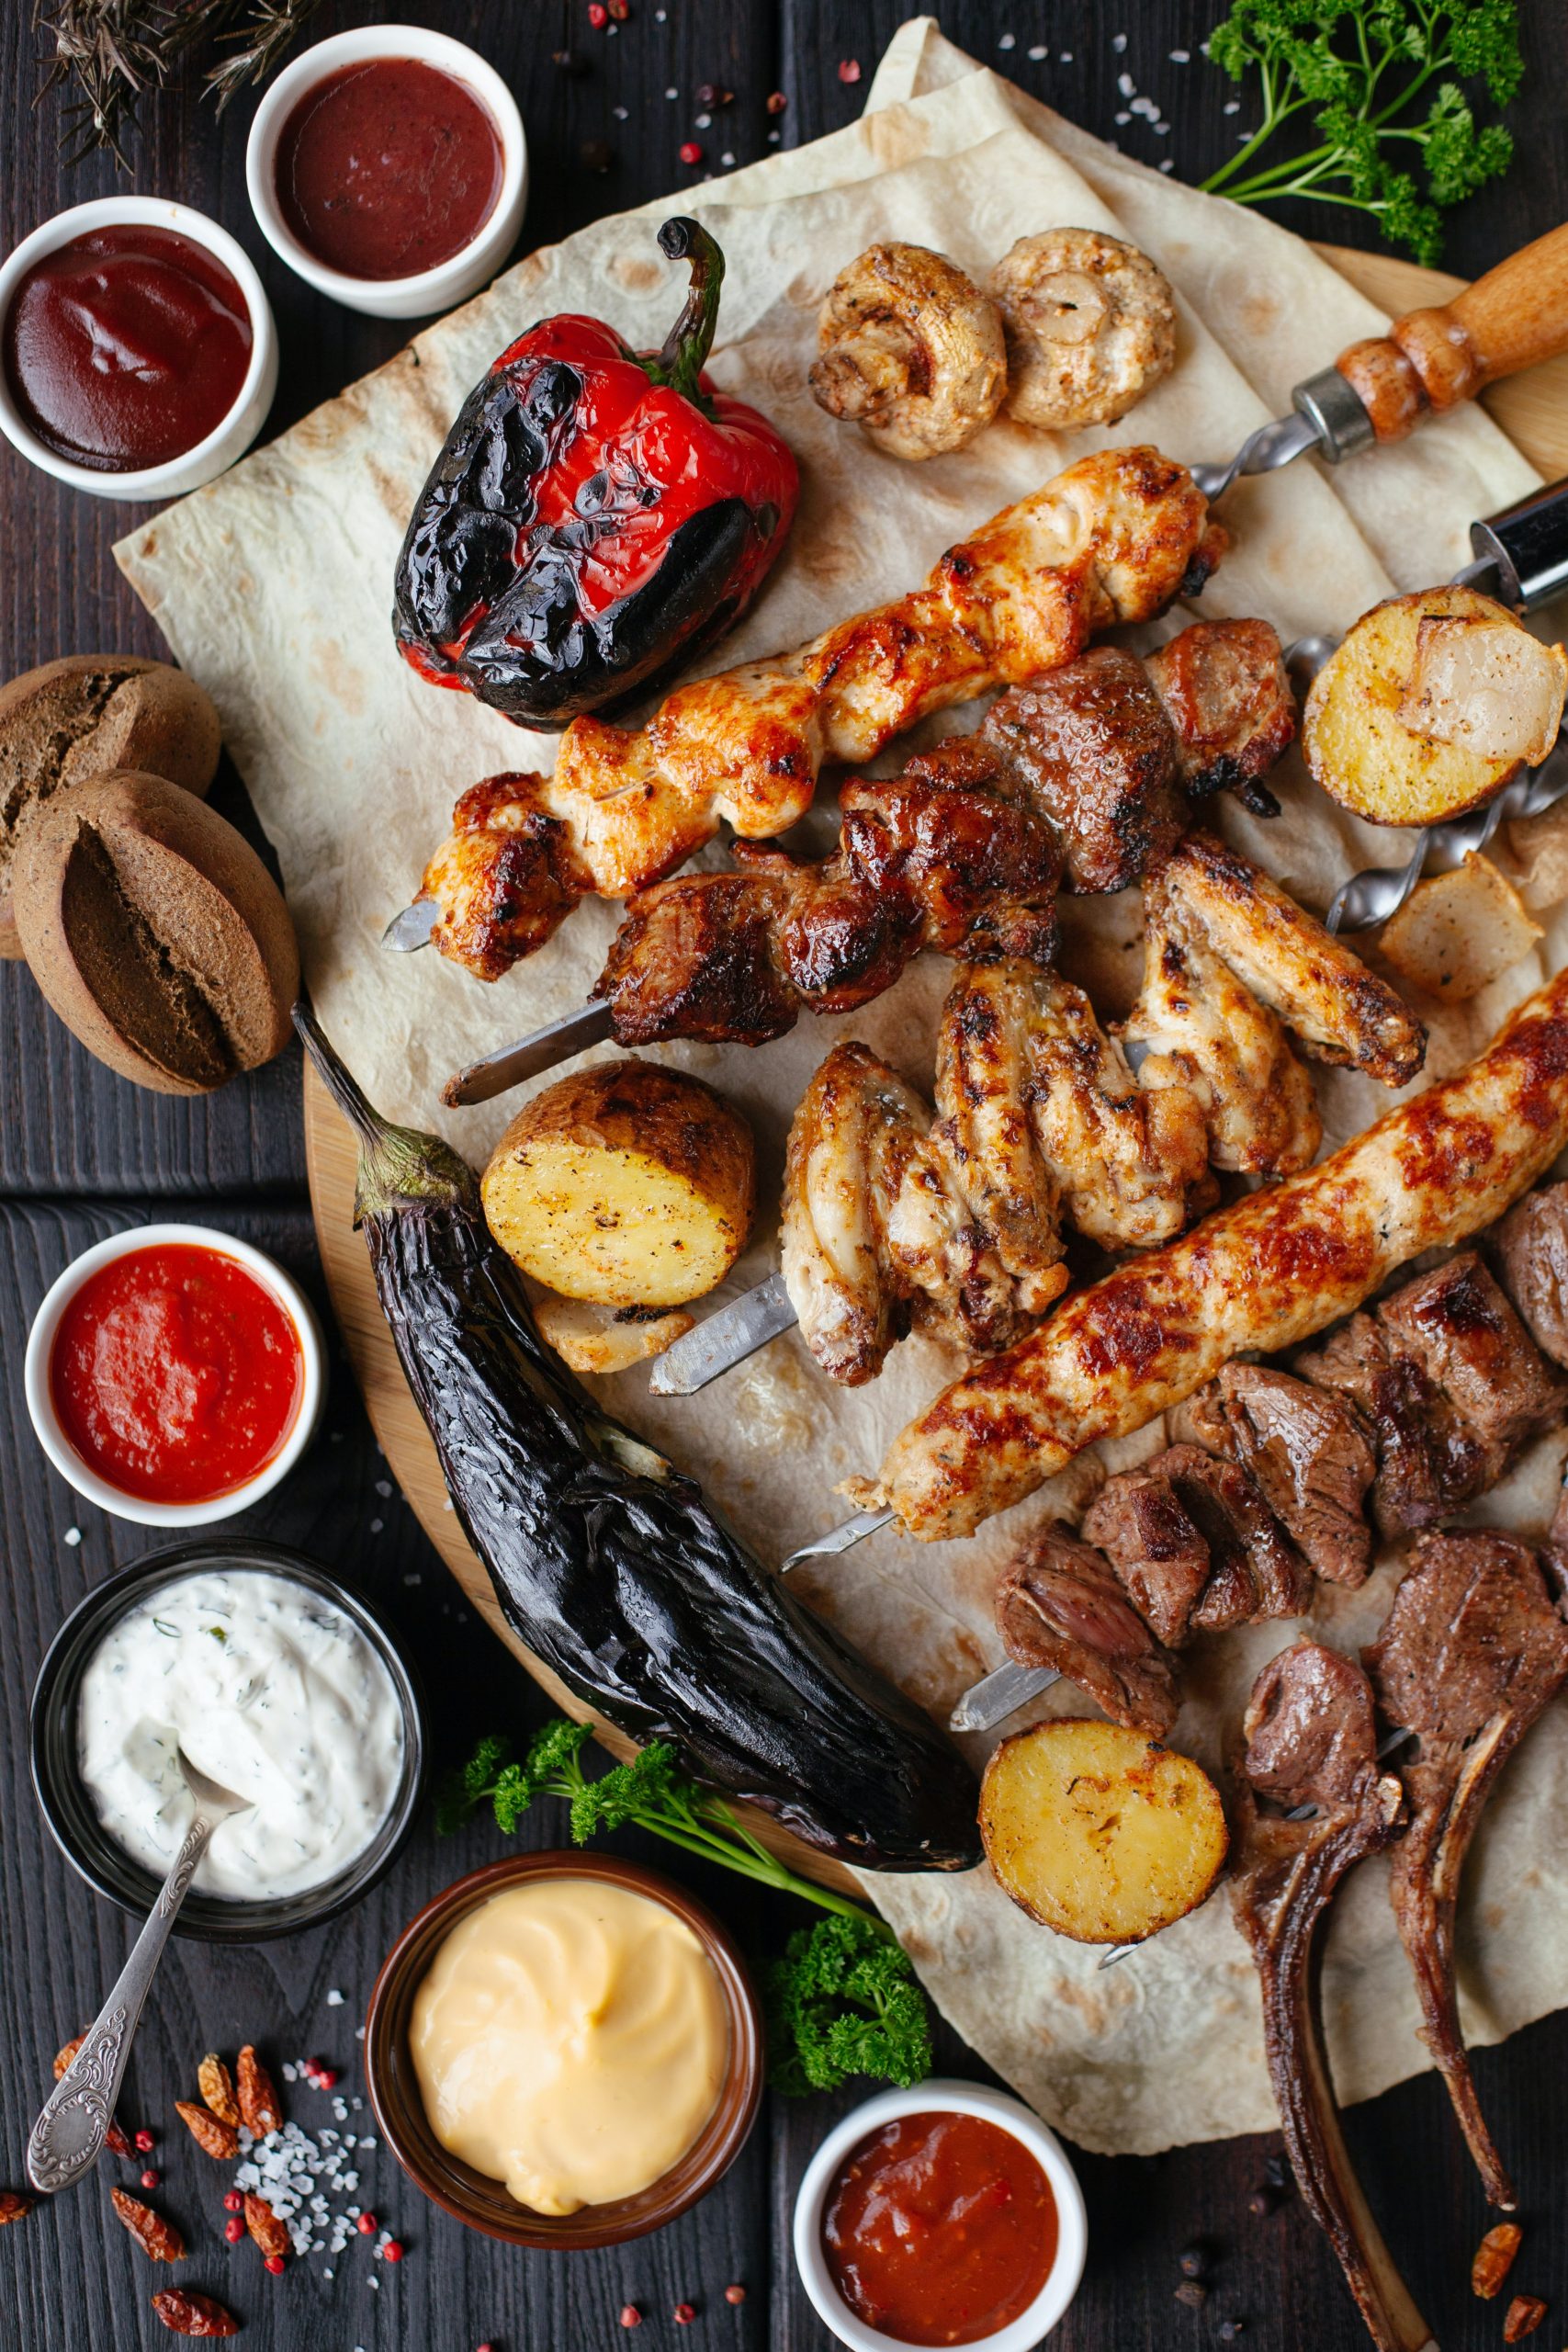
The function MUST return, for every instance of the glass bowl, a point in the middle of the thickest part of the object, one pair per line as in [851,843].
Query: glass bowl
[473,2196]
[68,1809]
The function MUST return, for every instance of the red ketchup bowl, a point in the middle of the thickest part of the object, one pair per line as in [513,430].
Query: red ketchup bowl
[174,1375]
[192,352]
[388,166]
[948,2214]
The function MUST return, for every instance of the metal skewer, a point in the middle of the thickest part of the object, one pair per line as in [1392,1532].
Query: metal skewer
[841,1539]
[724,1341]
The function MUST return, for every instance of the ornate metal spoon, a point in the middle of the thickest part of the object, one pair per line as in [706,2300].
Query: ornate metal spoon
[68,2137]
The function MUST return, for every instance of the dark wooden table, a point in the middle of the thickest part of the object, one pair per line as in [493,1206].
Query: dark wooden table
[83,1154]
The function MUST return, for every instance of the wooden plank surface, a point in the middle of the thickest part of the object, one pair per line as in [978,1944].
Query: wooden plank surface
[80,1151]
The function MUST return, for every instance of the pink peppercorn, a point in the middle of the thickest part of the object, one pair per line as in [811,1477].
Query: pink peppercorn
[630,2316]
[365,2224]
[735,2294]
[325,2078]
[233,2229]
[274,2262]
[690,151]
[149,2179]
[145,2143]
[392,2250]
[233,2202]
[685,2314]
[598,15]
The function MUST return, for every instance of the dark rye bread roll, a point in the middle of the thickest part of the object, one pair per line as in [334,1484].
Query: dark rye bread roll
[84,715]
[156,932]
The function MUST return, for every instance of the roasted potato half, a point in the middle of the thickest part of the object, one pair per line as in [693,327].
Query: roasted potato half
[1429,706]
[627,1184]
[1458,932]
[1099,1832]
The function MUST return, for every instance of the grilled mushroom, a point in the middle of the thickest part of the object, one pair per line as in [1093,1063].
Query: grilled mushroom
[1090,327]
[910,350]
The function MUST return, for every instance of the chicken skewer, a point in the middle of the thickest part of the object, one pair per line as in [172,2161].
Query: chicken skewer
[1090,767]
[1042,1113]
[1114,538]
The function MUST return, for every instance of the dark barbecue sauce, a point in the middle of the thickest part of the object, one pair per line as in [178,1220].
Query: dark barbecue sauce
[127,346]
[387,168]
[940,2229]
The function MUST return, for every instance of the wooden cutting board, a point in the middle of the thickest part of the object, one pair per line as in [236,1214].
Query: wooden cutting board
[1533,410]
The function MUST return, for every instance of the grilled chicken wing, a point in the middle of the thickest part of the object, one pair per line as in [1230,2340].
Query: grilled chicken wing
[984,1076]
[1129,1168]
[1321,992]
[1199,1029]
[1264,1274]
[876,1224]
[1470,1654]
[1114,538]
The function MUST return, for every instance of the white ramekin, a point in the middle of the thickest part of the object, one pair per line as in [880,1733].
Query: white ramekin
[428,290]
[58,1446]
[944,2096]
[228,440]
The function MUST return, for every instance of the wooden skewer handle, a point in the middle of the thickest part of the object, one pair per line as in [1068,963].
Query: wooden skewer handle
[1430,360]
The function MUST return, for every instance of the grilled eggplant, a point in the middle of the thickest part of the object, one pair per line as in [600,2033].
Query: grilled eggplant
[608,1562]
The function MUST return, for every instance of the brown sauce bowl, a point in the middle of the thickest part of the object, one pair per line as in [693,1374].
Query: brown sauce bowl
[473,2196]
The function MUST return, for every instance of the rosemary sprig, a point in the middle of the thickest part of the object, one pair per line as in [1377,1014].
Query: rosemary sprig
[110,54]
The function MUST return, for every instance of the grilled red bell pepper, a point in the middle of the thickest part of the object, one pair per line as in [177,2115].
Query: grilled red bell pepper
[595,517]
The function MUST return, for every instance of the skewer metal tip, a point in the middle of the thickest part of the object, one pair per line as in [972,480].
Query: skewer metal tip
[412,928]
[530,1057]
[842,1538]
[988,1703]
[724,1341]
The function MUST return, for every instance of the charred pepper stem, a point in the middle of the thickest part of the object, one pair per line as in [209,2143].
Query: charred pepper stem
[690,339]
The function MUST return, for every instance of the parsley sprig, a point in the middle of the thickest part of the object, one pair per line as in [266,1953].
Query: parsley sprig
[842,1998]
[1365,74]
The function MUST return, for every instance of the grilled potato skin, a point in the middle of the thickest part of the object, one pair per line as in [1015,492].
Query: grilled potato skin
[627,1184]
[1099,1832]
[1355,743]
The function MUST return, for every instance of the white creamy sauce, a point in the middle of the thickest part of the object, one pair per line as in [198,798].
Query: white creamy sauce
[271,1692]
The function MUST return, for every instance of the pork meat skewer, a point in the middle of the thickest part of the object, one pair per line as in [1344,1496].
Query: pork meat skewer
[1114,538]
[1470,1654]
[1310,1742]
[1093,767]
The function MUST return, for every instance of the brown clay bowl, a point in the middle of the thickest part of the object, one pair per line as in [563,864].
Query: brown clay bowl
[485,2204]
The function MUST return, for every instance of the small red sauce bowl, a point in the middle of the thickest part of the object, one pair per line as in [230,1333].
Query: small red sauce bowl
[941,2095]
[473,2196]
[429,290]
[89,1481]
[233,435]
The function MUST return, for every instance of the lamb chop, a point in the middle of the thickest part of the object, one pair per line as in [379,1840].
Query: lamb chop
[1471,1654]
[1060,1608]
[1196,1546]
[1310,1742]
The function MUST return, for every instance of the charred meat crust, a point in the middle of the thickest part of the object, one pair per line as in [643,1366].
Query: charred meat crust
[1060,1607]
[1469,1656]
[1310,1741]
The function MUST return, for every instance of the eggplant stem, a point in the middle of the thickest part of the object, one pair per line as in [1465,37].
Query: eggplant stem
[690,339]
[397,1165]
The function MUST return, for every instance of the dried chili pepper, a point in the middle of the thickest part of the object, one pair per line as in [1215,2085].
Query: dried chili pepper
[596,515]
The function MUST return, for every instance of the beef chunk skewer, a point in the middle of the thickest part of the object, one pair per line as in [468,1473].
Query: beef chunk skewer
[1470,1654]
[1060,1608]
[1310,1742]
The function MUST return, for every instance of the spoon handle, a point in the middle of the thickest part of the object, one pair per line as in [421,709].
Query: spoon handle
[68,2137]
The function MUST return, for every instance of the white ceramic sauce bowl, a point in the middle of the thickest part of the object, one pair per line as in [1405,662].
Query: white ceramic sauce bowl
[64,1455]
[429,290]
[943,2096]
[228,440]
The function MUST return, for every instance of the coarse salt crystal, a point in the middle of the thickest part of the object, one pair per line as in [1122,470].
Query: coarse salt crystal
[1006,40]
[334,2000]
[1038,52]
[291,2074]
[1118,42]
[727,160]
[1065,58]
[1231,105]
[620,113]
[73,1536]
[1169,165]
[1126,85]
[1123,118]
[1181,57]
[705,122]
[671,92]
